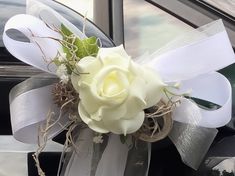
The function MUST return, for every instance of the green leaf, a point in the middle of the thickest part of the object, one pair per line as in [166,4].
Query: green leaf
[65,30]
[67,51]
[56,62]
[69,69]
[86,47]
[66,33]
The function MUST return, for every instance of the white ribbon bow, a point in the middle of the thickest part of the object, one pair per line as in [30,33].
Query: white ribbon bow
[194,64]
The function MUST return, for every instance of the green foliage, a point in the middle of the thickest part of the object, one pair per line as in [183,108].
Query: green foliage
[57,62]
[86,47]
[74,49]
[77,48]
[65,30]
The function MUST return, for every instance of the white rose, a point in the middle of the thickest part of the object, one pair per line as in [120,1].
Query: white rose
[114,91]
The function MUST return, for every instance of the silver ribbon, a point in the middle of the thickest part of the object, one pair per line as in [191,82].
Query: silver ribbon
[192,142]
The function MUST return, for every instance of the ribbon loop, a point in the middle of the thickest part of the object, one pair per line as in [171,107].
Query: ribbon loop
[204,53]
[206,87]
[51,17]
[41,48]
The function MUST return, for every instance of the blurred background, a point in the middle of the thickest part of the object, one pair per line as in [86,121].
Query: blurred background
[150,24]
[146,27]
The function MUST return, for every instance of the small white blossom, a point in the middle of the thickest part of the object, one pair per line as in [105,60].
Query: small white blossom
[62,57]
[64,79]
[61,72]
[98,139]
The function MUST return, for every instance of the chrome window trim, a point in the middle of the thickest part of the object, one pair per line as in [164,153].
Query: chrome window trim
[108,15]
[194,14]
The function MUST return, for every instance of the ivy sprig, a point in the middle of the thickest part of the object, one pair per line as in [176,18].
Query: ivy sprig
[75,49]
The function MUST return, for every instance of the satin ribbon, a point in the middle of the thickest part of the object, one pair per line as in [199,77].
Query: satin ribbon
[193,64]
[37,9]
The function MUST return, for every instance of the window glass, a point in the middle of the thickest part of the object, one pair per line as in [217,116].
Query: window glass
[84,7]
[147,28]
[200,12]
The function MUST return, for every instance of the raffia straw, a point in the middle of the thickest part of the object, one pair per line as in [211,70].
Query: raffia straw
[43,135]
[68,142]
[151,130]
[42,140]
[50,122]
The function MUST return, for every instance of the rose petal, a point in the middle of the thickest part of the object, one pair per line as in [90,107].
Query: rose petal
[114,113]
[84,71]
[153,83]
[98,82]
[124,126]
[154,87]
[97,126]
[88,99]
[115,59]
[104,52]
[86,68]
[135,102]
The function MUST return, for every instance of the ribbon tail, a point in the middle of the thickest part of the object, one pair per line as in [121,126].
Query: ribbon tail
[194,127]
[111,157]
[138,160]
[123,160]
[81,160]
[114,158]
[90,158]
[192,142]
